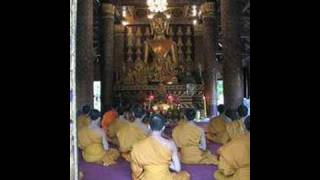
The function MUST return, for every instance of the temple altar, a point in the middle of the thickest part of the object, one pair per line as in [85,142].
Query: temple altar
[187,96]
[158,67]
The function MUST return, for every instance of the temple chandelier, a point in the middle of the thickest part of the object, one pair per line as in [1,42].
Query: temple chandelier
[157,5]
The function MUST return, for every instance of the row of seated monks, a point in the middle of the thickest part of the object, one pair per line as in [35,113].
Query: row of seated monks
[140,140]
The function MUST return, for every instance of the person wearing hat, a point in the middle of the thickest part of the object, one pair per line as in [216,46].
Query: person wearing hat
[154,157]
[191,139]
[84,120]
[234,157]
[236,128]
[130,134]
[217,127]
[93,142]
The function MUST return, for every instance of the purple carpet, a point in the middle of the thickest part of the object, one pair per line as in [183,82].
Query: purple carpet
[122,171]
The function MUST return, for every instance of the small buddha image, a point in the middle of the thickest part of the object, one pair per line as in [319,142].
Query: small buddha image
[129,79]
[139,74]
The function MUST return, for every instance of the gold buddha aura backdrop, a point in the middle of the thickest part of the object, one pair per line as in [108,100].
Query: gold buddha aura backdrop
[73,130]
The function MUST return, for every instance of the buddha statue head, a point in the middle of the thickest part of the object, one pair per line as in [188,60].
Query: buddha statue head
[159,26]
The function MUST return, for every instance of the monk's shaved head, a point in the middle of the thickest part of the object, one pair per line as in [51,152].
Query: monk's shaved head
[242,110]
[138,111]
[86,109]
[146,118]
[221,108]
[190,114]
[157,122]
[94,114]
[120,110]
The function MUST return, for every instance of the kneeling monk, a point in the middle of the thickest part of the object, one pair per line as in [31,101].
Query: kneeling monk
[139,114]
[93,143]
[84,120]
[115,126]
[217,127]
[129,134]
[152,157]
[192,141]
[234,160]
[236,128]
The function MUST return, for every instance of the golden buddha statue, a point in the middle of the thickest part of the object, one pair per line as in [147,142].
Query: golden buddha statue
[162,50]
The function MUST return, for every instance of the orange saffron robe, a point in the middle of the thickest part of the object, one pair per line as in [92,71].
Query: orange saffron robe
[217,131]
[83,121]
[235,128]
[90,142]
[127,136]
[187,138]
[234,161]
[113,129]
[150,160]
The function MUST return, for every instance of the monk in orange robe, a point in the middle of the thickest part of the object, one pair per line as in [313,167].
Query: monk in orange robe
[192,141]
[154,157]
[93,143]
[234,157]
[115,126]
[236,128]
[217,127]
[130,134]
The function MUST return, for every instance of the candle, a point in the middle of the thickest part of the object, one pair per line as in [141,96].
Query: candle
[150,99]
[204,106]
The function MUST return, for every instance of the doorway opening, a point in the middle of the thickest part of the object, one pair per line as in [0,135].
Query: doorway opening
[97,95]
[220,99]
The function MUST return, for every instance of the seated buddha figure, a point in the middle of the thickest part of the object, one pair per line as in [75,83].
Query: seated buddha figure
[162,50]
